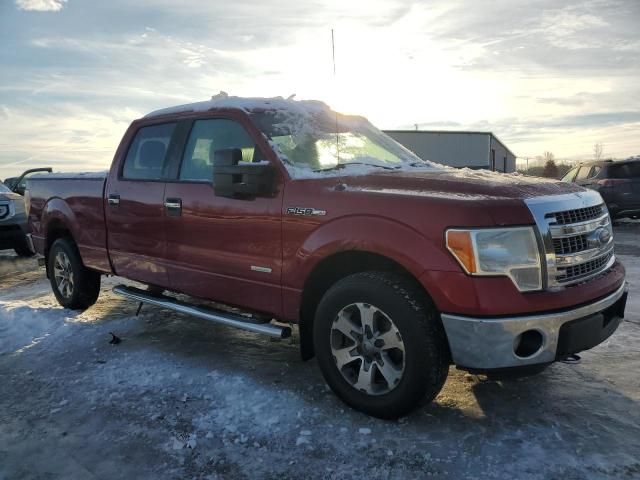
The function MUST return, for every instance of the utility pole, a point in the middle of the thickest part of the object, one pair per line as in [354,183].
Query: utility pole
[526,159]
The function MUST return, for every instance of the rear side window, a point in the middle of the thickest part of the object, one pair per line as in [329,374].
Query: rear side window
[625,170]
[206,137]
[585,172]
[148,152]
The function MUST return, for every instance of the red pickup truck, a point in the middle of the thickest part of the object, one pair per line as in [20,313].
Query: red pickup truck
[392,267]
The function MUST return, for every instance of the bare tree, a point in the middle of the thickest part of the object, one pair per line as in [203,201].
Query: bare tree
[598,150]
[548,156]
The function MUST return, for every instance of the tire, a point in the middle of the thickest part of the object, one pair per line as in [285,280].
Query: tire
[82,285]
[408,343]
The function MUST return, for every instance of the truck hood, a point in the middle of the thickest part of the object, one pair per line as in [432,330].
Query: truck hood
[467,196]
[10,196]
[459,184]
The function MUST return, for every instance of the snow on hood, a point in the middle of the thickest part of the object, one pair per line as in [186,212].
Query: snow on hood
[460,184]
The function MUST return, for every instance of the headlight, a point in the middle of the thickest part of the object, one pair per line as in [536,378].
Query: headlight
[512,252]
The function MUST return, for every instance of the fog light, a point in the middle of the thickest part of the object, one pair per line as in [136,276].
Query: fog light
[528,343]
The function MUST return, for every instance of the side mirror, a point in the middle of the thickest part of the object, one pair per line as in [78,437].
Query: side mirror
[18,187]
[232,178]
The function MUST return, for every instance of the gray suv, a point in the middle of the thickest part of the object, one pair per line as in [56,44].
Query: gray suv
[13,223]
[617,181]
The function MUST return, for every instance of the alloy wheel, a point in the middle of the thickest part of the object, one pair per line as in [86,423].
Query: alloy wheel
[367,349]
[63,274]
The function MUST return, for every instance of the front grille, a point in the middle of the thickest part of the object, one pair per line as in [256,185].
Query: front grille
[573,229]
[563,246]
[567,274]
[575,216]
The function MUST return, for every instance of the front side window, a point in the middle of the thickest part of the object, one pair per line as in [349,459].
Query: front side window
[148,153]
[206,137]
[570,174]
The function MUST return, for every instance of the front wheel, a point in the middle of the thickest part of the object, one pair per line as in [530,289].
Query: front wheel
[74,285]
[380,344]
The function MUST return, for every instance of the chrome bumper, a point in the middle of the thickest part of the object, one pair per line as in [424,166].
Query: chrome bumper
[489,343]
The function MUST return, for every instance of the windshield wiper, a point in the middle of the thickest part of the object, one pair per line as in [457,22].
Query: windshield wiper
[343,165]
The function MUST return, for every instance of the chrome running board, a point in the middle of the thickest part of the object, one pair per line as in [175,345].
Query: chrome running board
[224,318]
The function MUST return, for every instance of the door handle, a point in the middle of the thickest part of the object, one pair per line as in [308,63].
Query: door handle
[113,199]
[173,206]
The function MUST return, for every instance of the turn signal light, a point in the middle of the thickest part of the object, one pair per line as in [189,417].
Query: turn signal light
[459,243]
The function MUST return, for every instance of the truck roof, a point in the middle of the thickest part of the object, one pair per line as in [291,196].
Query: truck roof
[247,104]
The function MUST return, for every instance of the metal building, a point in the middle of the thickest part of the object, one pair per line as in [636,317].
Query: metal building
[458,149]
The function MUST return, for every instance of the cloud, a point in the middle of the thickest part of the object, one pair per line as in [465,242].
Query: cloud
[41,5]
[543,75]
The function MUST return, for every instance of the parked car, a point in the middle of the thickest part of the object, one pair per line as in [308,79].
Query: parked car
[18,184]
[617,182]
[13,223]
[393,268]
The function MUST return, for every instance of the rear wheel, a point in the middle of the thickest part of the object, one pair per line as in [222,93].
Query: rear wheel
[74,285]
[380,345]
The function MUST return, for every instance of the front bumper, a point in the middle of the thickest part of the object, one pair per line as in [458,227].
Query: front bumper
[491,343]
[11,236]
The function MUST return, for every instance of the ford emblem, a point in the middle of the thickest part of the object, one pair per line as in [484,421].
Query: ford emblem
[599,237]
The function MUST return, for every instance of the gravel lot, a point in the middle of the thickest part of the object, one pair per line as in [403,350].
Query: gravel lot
[183,398]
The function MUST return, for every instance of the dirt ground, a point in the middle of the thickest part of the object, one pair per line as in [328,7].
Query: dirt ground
[182,398]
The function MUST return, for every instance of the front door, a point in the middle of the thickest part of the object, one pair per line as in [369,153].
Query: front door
[224,249]
[134,207]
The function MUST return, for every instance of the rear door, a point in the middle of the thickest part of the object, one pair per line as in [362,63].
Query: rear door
[224,249]
[134,209]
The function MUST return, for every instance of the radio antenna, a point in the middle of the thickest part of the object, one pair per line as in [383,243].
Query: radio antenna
[335,86]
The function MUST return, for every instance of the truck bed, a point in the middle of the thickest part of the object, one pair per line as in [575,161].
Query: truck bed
[80,198]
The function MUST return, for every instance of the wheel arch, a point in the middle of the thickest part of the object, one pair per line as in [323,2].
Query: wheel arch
[58,220]
[332,269]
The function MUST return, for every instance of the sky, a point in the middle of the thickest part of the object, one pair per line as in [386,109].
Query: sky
[543,75]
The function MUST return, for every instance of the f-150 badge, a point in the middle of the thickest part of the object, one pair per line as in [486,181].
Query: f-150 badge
[305,211]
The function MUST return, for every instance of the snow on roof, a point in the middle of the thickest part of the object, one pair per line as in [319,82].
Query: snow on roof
[248,104]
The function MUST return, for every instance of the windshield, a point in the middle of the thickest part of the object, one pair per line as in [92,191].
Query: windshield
[325,140]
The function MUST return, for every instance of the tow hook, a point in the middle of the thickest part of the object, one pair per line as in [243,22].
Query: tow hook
[572,359]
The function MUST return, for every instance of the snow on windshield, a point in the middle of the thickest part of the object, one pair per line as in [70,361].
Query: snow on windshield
[311,139]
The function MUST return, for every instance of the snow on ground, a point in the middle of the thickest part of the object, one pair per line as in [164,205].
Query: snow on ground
[182,398]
